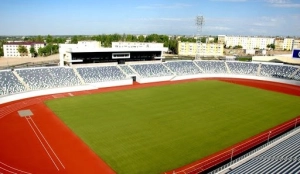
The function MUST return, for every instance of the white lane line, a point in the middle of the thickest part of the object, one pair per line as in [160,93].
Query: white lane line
[7,170]
[46,142]
[14,168]
[42,143]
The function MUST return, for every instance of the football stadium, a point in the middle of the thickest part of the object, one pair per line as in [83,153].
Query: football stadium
[126,110]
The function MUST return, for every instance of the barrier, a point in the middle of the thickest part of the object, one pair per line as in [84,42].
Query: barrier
[231,152]
[112,83]
[153,79]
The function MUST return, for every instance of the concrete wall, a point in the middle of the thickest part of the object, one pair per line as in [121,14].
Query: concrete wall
[24,95]
[112,83]
[153,79]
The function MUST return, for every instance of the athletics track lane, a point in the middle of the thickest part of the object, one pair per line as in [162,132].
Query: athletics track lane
[25,149]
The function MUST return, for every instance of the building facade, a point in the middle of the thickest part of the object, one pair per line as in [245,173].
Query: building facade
[10,49]
[246,42]
[136,45]
[204,49]
[87,52]
[286,44]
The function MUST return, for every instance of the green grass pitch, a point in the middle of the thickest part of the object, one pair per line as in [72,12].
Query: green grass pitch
[156,129]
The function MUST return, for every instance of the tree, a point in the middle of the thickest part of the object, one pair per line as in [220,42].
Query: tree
[141,38]
[22,50]
[32,51]
[271,46]
[74,40]
[49,39]
[238,47]
[216,39]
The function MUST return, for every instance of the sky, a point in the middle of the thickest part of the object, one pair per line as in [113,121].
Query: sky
[171,17]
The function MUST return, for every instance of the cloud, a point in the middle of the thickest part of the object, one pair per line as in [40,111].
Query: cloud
[164,6]
[283,3]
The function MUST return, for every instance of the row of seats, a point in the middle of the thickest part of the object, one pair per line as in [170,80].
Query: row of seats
[53,77]
[181,68]
[45,78]
[9,84]
[100,74]
[277,71]
[282,158]
[151,70]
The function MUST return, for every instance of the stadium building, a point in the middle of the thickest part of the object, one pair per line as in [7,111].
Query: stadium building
[92,52]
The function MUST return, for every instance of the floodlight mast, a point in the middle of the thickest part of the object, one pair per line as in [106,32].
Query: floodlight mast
[199,24]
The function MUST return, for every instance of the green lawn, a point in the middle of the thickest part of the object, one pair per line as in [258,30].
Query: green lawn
[155,129]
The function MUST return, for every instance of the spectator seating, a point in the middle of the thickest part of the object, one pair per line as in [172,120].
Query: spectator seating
[37,78]
[100,74]
[9,83]
[64,77]
[127,70]
[282,158]
[182,68]
[46,78]
[212,67]
[243,68]
[296,76]
[277,71]
[151,70]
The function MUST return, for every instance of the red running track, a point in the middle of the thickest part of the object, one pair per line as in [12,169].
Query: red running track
[42,143]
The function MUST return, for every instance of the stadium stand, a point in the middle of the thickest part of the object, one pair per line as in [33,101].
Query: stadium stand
[100,74]
[41,78]
[212,67]
[243,68]
[38,78]
[127,70]
[46,78]
[282,158]
[151,70]
[297,76]
[64,77]
[277,71]
[9,83]
[182,68]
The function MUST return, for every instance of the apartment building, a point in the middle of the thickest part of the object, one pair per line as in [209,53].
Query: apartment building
[10,49]
[204,49]
[245,41]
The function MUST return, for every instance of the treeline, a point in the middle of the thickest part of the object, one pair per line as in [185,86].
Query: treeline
[170,42]
[107,39]
[1,47]
[52,42]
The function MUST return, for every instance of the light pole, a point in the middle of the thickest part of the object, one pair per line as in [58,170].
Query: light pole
[199,24]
